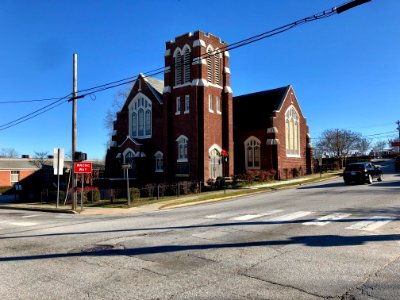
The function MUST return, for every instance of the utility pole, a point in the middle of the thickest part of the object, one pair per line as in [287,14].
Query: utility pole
[74,94]
[398,128]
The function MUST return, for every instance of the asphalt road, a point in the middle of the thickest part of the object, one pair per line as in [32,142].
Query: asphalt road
[318,241]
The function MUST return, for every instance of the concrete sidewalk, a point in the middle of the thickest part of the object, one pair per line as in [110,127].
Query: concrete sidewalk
[217,195]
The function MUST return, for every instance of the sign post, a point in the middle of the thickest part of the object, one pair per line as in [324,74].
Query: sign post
[127,167]
[82,168]
[58,166]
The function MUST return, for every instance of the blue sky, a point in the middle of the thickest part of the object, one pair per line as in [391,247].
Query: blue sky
[345,69]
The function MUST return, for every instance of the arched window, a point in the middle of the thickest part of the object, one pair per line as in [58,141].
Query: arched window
[292,132]
[134,124]
[141,117]
[182,148]
[186,64]
[215,163]
[210,65]
[253,153]
[178,68]
[159,157]
[217,68]
[147,122]
[128,158]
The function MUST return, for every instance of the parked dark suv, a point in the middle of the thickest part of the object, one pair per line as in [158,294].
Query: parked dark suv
[362,172]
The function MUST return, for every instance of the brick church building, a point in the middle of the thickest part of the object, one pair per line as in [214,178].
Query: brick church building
[189,127]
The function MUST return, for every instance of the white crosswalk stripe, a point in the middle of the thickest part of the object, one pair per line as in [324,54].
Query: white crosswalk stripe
[23,223]
[327,219]
[254,216]
[29,216]
[371,224]
[291,216]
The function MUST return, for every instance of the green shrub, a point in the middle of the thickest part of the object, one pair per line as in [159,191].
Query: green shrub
[93,196]
[134,193]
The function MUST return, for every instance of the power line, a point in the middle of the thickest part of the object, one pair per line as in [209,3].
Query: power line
[99,88]
[35,113]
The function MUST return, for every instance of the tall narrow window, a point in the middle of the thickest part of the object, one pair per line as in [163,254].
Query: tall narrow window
[215,163]
[178,105]
[141,117]
[159,161]
[253,153]
[148,122]
[187,104]
[186,66]
[141,122]
[134,124]
[178,69]
[218,104]
[217,69]
[182,148]
[209,65]
[210,103]
[292,132]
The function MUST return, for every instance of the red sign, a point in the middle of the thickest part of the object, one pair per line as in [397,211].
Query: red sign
[83,167]
[395,144]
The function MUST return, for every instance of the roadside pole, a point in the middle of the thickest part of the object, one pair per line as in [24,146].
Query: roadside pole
[74,94]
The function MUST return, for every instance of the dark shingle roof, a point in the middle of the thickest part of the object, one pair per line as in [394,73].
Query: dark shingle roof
[255,109]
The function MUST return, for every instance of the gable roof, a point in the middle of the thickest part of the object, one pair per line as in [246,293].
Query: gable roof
[256,107]
[156,86]
[17,164]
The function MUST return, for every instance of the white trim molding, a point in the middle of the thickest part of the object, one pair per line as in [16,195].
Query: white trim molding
[227,89]
[198,43]
[199,82]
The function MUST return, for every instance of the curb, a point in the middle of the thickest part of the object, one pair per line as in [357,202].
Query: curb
[43,209]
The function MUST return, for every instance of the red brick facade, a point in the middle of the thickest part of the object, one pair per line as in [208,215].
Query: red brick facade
[182,128]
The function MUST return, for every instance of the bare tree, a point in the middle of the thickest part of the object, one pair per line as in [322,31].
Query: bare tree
[378,147]
[118,102]
[41,159]
[339,143]
[8,152]
[363,145]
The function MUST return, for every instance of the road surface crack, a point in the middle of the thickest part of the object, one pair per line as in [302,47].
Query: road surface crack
[283,285]
[362,287]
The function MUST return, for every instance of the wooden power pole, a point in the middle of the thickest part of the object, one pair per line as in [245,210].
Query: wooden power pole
[74,94]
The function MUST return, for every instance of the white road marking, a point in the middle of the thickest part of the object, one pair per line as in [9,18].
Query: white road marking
[371,223]
[254,216]
[220,216]
[291,216]
[23,223]
[30,216]
[327,219]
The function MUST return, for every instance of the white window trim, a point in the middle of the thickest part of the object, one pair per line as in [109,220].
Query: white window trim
[178,106]
[298,154]
[159,156]
[251,138]
[187,107]
[179,140]
[132,110]
[218,104]
[210,103]
[14,177]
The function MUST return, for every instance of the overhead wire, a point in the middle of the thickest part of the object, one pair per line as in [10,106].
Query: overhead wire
[117,83]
